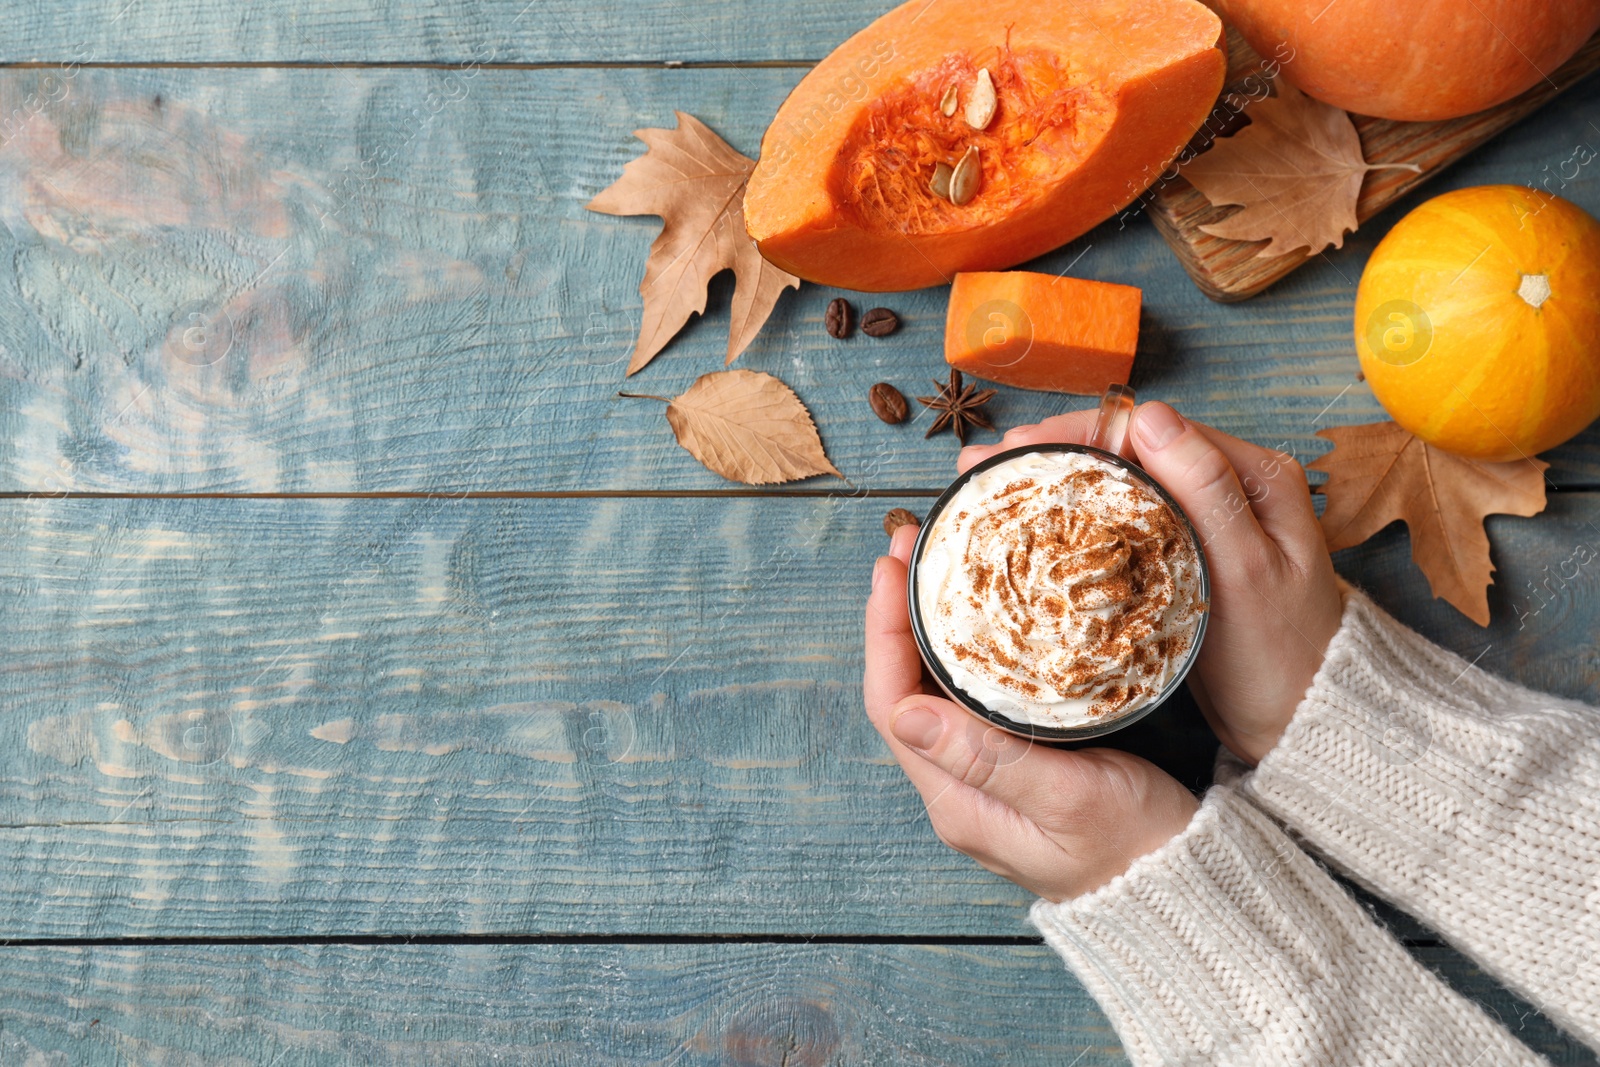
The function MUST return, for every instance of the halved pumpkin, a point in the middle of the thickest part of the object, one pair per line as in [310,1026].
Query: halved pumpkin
[1094,99]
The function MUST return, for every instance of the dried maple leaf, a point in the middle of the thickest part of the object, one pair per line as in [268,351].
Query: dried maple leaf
[1380,472]
[1297,169]
[748,427]
[695,182]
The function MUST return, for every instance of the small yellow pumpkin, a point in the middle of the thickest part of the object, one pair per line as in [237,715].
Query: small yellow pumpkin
[1478,321]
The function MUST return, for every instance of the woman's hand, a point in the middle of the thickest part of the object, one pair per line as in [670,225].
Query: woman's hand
[1274,601]
[1057,823]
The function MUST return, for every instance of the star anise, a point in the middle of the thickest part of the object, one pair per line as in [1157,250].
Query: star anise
[958,406]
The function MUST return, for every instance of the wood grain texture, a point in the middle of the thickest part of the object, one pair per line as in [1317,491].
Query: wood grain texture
[1228,270]
[709,1003]
[228,718]
[484,31]
[240,718]
[729,1005]
[352,280]
[445,716]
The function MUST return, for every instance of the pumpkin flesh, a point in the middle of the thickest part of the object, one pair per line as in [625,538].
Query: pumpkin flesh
[1095,98]
[1042,331]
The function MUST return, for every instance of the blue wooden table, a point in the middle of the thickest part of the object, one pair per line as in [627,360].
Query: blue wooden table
[376,687]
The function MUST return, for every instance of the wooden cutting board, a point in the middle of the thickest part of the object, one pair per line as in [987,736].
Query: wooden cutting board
[1228,270]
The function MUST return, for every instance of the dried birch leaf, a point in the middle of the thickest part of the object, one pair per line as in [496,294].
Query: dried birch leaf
[1297,169]
[748,427]
[1379,472]
[695,182]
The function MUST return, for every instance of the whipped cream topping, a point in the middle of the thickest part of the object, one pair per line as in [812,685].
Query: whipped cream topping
[1058,590]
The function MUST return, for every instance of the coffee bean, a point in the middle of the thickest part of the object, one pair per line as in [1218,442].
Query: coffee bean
[888,403]
[879,322]
[840,319]
[897,518]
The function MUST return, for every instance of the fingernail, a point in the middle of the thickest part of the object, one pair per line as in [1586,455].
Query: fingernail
[877,570]
[1157,425]
[918,727]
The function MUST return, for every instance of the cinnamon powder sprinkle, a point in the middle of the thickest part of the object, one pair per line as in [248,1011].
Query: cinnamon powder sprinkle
[982,575]
[1119,571]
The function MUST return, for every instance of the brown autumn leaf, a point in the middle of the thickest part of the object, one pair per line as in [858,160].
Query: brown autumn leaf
[748,427]
[1297,169]
[1379,472]
[695,182]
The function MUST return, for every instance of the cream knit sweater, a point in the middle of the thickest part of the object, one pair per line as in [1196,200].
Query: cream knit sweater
[1471,803]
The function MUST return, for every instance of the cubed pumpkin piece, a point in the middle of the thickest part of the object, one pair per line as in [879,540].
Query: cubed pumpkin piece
[1041,331]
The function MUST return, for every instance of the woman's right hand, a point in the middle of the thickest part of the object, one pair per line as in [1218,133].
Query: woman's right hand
[1275,603]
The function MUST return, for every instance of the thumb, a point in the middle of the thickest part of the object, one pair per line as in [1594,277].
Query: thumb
[1030,778]
[1197,474]
[1084,814]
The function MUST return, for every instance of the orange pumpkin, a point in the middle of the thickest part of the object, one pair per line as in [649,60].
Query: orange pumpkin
[1478,321]
[1092,99]
[1416,60]
[1042,331]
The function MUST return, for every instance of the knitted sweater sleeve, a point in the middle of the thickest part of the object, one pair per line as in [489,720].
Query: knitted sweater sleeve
[1469,802]
[1230,946]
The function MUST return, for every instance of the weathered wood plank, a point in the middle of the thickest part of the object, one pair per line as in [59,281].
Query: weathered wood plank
[722,1004]
[548,715]
[242,718]
[546,1004]
[484,31]
[339,280]
[1543,624]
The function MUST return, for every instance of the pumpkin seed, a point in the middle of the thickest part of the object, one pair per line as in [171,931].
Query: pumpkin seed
[981,104]
[941,180]
[948,104]
[965,178]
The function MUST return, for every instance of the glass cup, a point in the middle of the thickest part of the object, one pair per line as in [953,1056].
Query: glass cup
[1110,436]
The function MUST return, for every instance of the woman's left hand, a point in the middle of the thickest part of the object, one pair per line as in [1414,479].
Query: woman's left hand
[1058,823]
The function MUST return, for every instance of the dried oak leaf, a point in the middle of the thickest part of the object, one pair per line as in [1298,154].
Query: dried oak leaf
[1297,169]
[748,427]
[1379,472]
[695,182]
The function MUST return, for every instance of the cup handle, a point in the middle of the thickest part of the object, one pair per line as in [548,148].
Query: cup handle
[1116,415]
